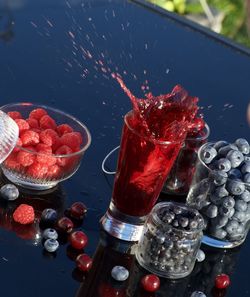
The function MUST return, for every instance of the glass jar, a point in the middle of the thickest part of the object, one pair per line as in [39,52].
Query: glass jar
[181,174]
[171,239]
[224,203]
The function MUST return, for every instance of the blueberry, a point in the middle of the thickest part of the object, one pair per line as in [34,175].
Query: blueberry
[220,222]
[225,211]
[220,144]
[225,149]
[211,211]
[228,202]
[51,245]
[193,224]
[232,211]
[119,273]
[49,215]
[242,145]
[219,177]
[208,154]
[245,196]
[235,187]
[9,192]
[234,173]
[200,256]
[235,157]
[168,217]
[246,178]
[223,164]
[245,167]
[239,216]
[215,199]
[232,227]
[183,222]
[219,233]
[240,205]
[50,234]
[247,157]
[221,192]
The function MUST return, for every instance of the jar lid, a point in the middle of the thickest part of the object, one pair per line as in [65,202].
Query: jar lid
[9,133]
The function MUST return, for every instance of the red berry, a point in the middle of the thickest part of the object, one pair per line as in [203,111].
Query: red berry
[25,158]
[78,240]
[49,137]
[18,145]
[65,224]
[222,281]
[15,115]
[84,262]
[37,170]
[22,125]
[150,283]
[63,150]
[54,171]
[73,140]
[37,113]
[46,122]
[44,148]
[46,159]
[12,163]
[78,210]
[24,214]
[29,138]
[63,129]
[33,123]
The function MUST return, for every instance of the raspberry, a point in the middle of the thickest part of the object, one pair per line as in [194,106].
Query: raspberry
[37,113]
[24,214]
[25,158]
[73,140]
[43,148]
[56,145]
[45,158]
[49,137]
[18,144]
[11,162]
[37,170]
[15,115]
[63,129]
[22,125]
[54,171]
[46,122]
[33,123]
[29,138]
[63,150]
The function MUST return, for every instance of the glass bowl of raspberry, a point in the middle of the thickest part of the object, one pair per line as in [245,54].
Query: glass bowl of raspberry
[49,148]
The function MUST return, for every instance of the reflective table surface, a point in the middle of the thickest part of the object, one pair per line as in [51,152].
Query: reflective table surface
[61,53]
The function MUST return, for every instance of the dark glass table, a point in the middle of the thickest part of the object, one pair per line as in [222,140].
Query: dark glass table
[42,46]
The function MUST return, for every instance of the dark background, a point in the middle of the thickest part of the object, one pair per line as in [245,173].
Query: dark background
[41,60]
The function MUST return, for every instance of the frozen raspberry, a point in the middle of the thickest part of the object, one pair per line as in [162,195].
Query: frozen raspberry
[25,158]
[49,137]
[37,113]
[63,150]
[54,171]
[22,125]
[43,148]
[46,122]
[18,145]
[12,163]
[73,140]
[33,123]
[15,115]
[29,138]
[63,129]
[24,214]
[45,158]
[37,170]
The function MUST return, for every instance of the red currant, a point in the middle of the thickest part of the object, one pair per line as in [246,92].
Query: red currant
[150,283]
[222,281]
[65,224]
[78,210]
[84,262]
[78,240]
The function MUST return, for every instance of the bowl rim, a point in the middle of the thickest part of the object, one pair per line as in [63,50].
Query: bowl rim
[46,107]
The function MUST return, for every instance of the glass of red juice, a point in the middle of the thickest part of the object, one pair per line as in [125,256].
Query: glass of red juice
[143,165]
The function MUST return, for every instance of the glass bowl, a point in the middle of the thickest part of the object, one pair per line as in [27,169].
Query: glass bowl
[47,169]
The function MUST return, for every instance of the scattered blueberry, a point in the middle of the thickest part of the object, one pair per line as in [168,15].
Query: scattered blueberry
[223,164]
[9,192]
[49,215]
[51,245]
[208,154]
[243,145]
[198,294]
[119,273]
[200,256]
[50,233]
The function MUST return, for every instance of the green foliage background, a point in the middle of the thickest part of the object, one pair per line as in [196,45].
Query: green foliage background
[234,23]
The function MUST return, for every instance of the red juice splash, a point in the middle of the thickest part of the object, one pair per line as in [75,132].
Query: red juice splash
[152,136]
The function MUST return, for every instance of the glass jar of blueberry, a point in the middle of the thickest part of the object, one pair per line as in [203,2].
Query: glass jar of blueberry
[171,239]
[220,190]
[181,174]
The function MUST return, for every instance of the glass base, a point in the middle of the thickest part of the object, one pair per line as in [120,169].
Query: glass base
[220,243]
[122,226]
